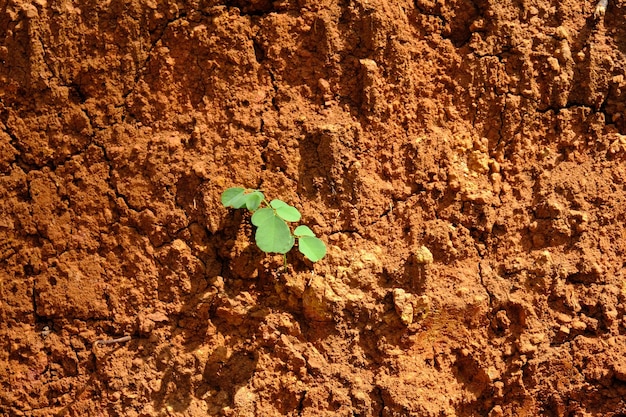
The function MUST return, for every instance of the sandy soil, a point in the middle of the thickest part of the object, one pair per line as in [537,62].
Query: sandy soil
[464,161]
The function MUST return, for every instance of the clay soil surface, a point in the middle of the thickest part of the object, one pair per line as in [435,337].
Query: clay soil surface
[463,160]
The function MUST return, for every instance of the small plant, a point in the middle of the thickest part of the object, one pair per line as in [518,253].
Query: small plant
[273,234]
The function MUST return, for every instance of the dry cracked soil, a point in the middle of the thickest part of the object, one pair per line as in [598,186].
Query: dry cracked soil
[463,160]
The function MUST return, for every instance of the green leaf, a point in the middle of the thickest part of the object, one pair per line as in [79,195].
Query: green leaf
[312,247]
[261,216]
[285,211]
[253,200]
[274,236]
[234,197]
[303,230]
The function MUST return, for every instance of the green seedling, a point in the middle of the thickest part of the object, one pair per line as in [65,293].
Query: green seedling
[273,234]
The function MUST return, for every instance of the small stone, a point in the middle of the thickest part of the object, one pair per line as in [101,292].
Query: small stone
[315,361]
[403,305]
[324,85]
[423,255]
[245,401]
[496,411]
[201,354]
[502,320]
[478,162]
[563,318]
[493,373]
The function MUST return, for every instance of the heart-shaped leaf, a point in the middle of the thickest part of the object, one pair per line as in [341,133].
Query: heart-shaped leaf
[274,236]
[234,197]
[285,211]
[303,230]
[253,200]
[261,216]
[312,247]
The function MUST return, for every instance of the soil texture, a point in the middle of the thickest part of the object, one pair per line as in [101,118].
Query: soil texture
[463,160]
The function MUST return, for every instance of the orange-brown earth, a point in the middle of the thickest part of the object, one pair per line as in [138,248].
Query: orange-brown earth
[463,160]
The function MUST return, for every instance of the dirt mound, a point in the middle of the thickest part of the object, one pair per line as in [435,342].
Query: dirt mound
[463,161]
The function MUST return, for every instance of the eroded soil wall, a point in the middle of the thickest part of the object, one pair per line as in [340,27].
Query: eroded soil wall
[463,160]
